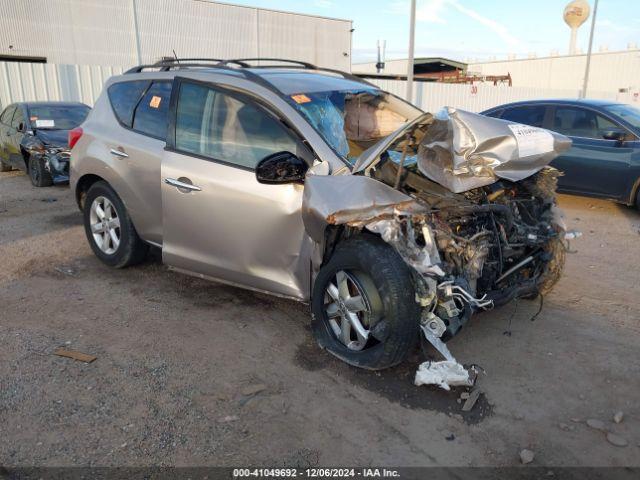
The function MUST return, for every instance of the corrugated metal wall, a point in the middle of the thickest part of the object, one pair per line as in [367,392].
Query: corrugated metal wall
[37,81]
[102,32]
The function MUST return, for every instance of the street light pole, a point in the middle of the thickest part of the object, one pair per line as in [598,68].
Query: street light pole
[412,35]
[583,94]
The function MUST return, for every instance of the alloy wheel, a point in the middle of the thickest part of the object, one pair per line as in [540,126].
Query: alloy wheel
[105,225]
[348,310]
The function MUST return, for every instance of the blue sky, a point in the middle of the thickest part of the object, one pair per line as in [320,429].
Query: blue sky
[462,29]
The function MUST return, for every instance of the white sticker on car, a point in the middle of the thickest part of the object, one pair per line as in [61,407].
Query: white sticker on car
[532,140]
[45,123]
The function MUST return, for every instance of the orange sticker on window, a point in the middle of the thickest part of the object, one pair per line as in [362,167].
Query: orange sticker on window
[33,119]
[300,98]
[155,102]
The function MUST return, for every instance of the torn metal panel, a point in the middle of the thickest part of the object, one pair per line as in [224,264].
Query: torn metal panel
[463,150]
[334,200]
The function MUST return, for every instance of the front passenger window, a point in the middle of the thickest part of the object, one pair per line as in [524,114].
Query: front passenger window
[222,127]
[580,122]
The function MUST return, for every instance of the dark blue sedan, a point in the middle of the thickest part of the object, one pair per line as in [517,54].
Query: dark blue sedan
[604,160]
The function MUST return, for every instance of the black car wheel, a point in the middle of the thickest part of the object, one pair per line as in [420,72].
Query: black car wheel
[38,174]
[363,305]
[109,229]
[638,199]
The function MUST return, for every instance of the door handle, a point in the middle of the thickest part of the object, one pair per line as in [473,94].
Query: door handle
[118,153]
[182,185]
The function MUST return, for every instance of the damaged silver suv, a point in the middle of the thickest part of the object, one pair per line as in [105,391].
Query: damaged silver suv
[315,185]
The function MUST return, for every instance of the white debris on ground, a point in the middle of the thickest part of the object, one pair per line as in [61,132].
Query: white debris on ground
[445,374]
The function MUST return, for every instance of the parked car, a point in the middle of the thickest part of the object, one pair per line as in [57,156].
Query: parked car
[33,138]
[315,185]
[605,158]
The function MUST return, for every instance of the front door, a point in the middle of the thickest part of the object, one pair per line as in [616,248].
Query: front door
[593,165]
[218,220]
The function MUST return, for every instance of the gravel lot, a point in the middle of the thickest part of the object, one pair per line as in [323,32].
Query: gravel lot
[196,373]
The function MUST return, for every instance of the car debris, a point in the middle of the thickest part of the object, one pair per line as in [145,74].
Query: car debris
[75,355]
[526,456]
[473,215]
[618,417]
[471,401]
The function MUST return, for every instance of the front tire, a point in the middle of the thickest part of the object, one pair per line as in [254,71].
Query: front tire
[363,305]
[38,174]
[109,228]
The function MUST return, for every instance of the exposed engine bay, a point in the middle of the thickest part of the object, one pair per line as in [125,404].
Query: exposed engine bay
[479,249]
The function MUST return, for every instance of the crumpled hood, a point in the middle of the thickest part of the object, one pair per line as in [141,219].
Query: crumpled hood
[461,150]
[54,138]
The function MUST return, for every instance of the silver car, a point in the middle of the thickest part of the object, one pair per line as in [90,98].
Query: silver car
[315,185]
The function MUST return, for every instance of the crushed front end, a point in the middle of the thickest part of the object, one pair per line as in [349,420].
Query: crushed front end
[54,158]
[469,204]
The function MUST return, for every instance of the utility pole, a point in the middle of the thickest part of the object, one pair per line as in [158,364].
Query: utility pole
[583,94]
[137,31]
[412,38]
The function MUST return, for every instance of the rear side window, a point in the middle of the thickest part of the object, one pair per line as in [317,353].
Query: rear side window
[124,97]
[6,115]
[219,126]
[528,115]
[150,116]
[496,113]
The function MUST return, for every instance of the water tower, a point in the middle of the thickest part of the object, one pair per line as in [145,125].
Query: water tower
[575,14]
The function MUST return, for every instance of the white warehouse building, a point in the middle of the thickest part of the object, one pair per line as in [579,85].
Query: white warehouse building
[128,32]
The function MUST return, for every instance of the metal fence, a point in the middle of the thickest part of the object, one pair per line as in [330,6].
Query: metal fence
[38,81]
[431,96]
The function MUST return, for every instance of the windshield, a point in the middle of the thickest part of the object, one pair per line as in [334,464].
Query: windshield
[351,121]
[628,113]
[57,117]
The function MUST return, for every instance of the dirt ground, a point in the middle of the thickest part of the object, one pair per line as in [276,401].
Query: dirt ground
[197,373]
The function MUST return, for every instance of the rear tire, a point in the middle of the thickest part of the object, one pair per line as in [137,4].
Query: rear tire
[109,228]
[366,267]
[38,174]
[638,199]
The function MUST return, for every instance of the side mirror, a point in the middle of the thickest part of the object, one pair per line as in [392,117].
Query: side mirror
[617,135]
[20,127]
[281,167]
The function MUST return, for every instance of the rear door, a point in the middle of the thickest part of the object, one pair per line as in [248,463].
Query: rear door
[593,165]
[136,147]
[223,223]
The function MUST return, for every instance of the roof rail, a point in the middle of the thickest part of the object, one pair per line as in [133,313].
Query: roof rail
[279,60]
[169,63]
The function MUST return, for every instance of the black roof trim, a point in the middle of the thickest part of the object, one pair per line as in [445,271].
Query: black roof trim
[241,65]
